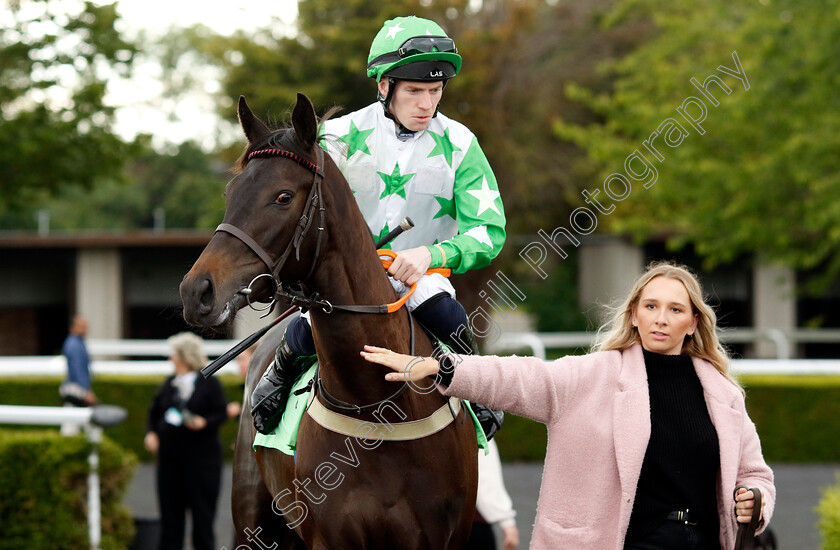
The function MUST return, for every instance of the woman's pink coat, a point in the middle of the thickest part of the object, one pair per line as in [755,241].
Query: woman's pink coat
[597,410]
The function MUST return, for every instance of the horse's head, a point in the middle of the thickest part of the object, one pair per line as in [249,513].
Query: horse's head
[271,208]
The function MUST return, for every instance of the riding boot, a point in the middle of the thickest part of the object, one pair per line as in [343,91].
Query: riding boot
[490,420]
[272,392]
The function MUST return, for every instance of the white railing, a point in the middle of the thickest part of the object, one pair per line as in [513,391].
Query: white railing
[104,352]
[56,365]
[538,343]
[93,419]
[149,348]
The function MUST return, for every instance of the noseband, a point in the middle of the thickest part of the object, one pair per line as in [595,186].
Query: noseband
[313,201]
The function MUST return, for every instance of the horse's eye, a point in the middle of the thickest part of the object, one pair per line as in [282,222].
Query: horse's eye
[285,197]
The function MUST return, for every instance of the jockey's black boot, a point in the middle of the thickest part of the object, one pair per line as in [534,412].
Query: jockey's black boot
[490,420]
[272,392]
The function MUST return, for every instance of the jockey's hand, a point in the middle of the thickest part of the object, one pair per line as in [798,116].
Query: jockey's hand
[744,501]
[410,265]
[408,368]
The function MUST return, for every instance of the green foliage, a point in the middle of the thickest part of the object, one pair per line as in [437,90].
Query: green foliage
[134,393]
[43,491]
[55,128]
[554,301]
[795,417]
[829,513]
[764,178]
[503,93]
[186,185]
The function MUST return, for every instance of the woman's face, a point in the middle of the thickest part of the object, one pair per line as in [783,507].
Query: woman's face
[180,366]
[664,316]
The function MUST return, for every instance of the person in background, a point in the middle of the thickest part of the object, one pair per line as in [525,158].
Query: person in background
[649,436]
[183,431]
[493,505]
[76,390]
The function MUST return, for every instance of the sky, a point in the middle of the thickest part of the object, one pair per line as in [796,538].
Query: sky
[141,108]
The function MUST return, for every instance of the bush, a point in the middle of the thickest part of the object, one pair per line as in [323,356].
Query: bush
[795,415]
[43,491]
[134,393]
[829,513]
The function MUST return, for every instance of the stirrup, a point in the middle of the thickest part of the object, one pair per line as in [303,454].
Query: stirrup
[489,420]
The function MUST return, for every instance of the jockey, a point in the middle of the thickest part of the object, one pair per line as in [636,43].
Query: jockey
[402,158]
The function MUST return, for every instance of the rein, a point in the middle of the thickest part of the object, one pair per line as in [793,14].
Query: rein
[315,299]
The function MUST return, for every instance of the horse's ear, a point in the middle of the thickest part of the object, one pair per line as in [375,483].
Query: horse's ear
[253,127]
[304,121]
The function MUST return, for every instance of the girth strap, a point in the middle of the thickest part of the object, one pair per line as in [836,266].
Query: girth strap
[393,431]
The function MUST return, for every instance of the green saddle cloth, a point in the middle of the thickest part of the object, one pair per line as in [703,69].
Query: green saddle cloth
[284,436]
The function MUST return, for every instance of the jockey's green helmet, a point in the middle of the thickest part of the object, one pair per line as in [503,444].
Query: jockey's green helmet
[412,48]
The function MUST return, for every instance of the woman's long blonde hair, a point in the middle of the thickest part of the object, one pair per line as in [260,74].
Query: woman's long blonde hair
[618,333]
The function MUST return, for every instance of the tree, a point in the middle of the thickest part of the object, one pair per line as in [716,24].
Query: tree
[182,189]
[55,129]
[761,178]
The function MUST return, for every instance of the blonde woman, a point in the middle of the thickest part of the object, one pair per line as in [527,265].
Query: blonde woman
[183,431]
[648,434]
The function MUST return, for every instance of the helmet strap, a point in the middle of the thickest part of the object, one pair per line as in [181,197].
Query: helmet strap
[386,100]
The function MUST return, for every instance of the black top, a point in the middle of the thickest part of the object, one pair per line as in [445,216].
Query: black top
[682,461]
[208,400]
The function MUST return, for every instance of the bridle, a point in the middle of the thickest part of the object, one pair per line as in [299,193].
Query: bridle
[313,201]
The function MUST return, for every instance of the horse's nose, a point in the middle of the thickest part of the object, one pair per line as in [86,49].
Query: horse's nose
[198,297]
[206,296]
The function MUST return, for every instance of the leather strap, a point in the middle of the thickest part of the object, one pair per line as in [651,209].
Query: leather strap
[251,243]
[395,431]
[745,540]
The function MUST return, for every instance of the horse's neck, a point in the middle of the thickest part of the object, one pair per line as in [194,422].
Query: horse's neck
[351,273]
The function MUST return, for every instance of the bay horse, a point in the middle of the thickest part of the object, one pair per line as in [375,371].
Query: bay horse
[336,493]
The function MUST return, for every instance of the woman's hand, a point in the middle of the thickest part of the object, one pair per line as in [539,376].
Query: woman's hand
[744,501]
[151,442]
[408,368]
[196,423]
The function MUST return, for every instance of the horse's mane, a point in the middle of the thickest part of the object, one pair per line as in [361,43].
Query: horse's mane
[280,138]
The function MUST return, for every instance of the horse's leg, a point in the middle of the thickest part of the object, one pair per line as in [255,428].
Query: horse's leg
[250,499]
[287,513]
[254,519]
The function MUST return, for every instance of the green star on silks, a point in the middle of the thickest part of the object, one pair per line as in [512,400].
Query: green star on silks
[443,146]
[356,140]
[395,183]
[447,207]
[382,234]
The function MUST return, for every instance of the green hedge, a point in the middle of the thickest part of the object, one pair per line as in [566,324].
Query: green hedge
[43,491]
[829,513]
[134,393]
[796,416]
